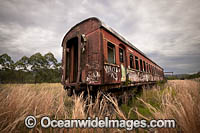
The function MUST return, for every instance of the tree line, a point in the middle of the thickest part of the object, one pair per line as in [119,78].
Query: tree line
[183,76]
[34,69]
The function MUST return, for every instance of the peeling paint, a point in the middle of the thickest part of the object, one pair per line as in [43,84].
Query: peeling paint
[92,76]
[112,71]
[123,73]
[133,76]
[91,61]
[136,76]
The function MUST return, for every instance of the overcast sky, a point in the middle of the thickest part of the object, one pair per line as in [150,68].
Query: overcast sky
[167,31]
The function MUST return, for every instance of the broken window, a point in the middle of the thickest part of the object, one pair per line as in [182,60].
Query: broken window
[136,63]
[147,67]
[153,70]
[121,55]
[111,53]
[144,66]
[131,61]
[141,65]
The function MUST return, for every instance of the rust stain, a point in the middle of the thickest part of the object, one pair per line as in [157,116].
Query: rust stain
[85,58]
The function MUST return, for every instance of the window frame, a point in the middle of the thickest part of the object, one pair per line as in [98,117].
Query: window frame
[149,68]
[137,67]
[121,50]
[131,64]
[144,66]
[147,65]
[113,47]
[141,65]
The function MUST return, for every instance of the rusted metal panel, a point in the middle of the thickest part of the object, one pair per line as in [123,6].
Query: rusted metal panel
[93,77]
[94,54]
[86,28]
[122,39]
[112,73]
[93,66]
[133,75]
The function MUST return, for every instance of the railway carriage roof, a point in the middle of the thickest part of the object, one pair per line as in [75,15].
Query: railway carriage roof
[109,29]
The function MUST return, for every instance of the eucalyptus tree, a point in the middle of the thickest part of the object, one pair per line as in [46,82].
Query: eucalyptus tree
[6,62]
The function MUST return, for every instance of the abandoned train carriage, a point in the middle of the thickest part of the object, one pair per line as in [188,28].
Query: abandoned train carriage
[96,55]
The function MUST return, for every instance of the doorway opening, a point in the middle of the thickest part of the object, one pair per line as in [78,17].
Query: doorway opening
[72,60]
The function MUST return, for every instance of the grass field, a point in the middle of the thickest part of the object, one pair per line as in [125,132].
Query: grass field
[176,99]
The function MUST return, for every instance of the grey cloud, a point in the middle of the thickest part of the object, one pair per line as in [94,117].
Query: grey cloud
[167,31]
[177,63]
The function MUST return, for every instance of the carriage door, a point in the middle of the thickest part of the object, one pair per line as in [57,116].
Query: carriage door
[72,60]
[122,60]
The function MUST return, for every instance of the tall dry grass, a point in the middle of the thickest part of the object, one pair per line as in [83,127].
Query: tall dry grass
[20,100]
[102,106]
[179,100]
[17,101]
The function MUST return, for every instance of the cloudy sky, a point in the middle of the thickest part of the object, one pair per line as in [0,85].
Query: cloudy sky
[168,31]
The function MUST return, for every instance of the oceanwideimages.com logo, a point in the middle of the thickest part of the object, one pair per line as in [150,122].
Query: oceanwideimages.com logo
[47,122]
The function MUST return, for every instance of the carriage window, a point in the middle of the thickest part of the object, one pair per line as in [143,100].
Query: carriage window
[141,65]
[147,67]
[131,61]
[121,55]
[153,70]
[136,63]
[144,66]
[111,53]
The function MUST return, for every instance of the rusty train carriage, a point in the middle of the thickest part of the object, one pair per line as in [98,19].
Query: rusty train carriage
[95,55]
